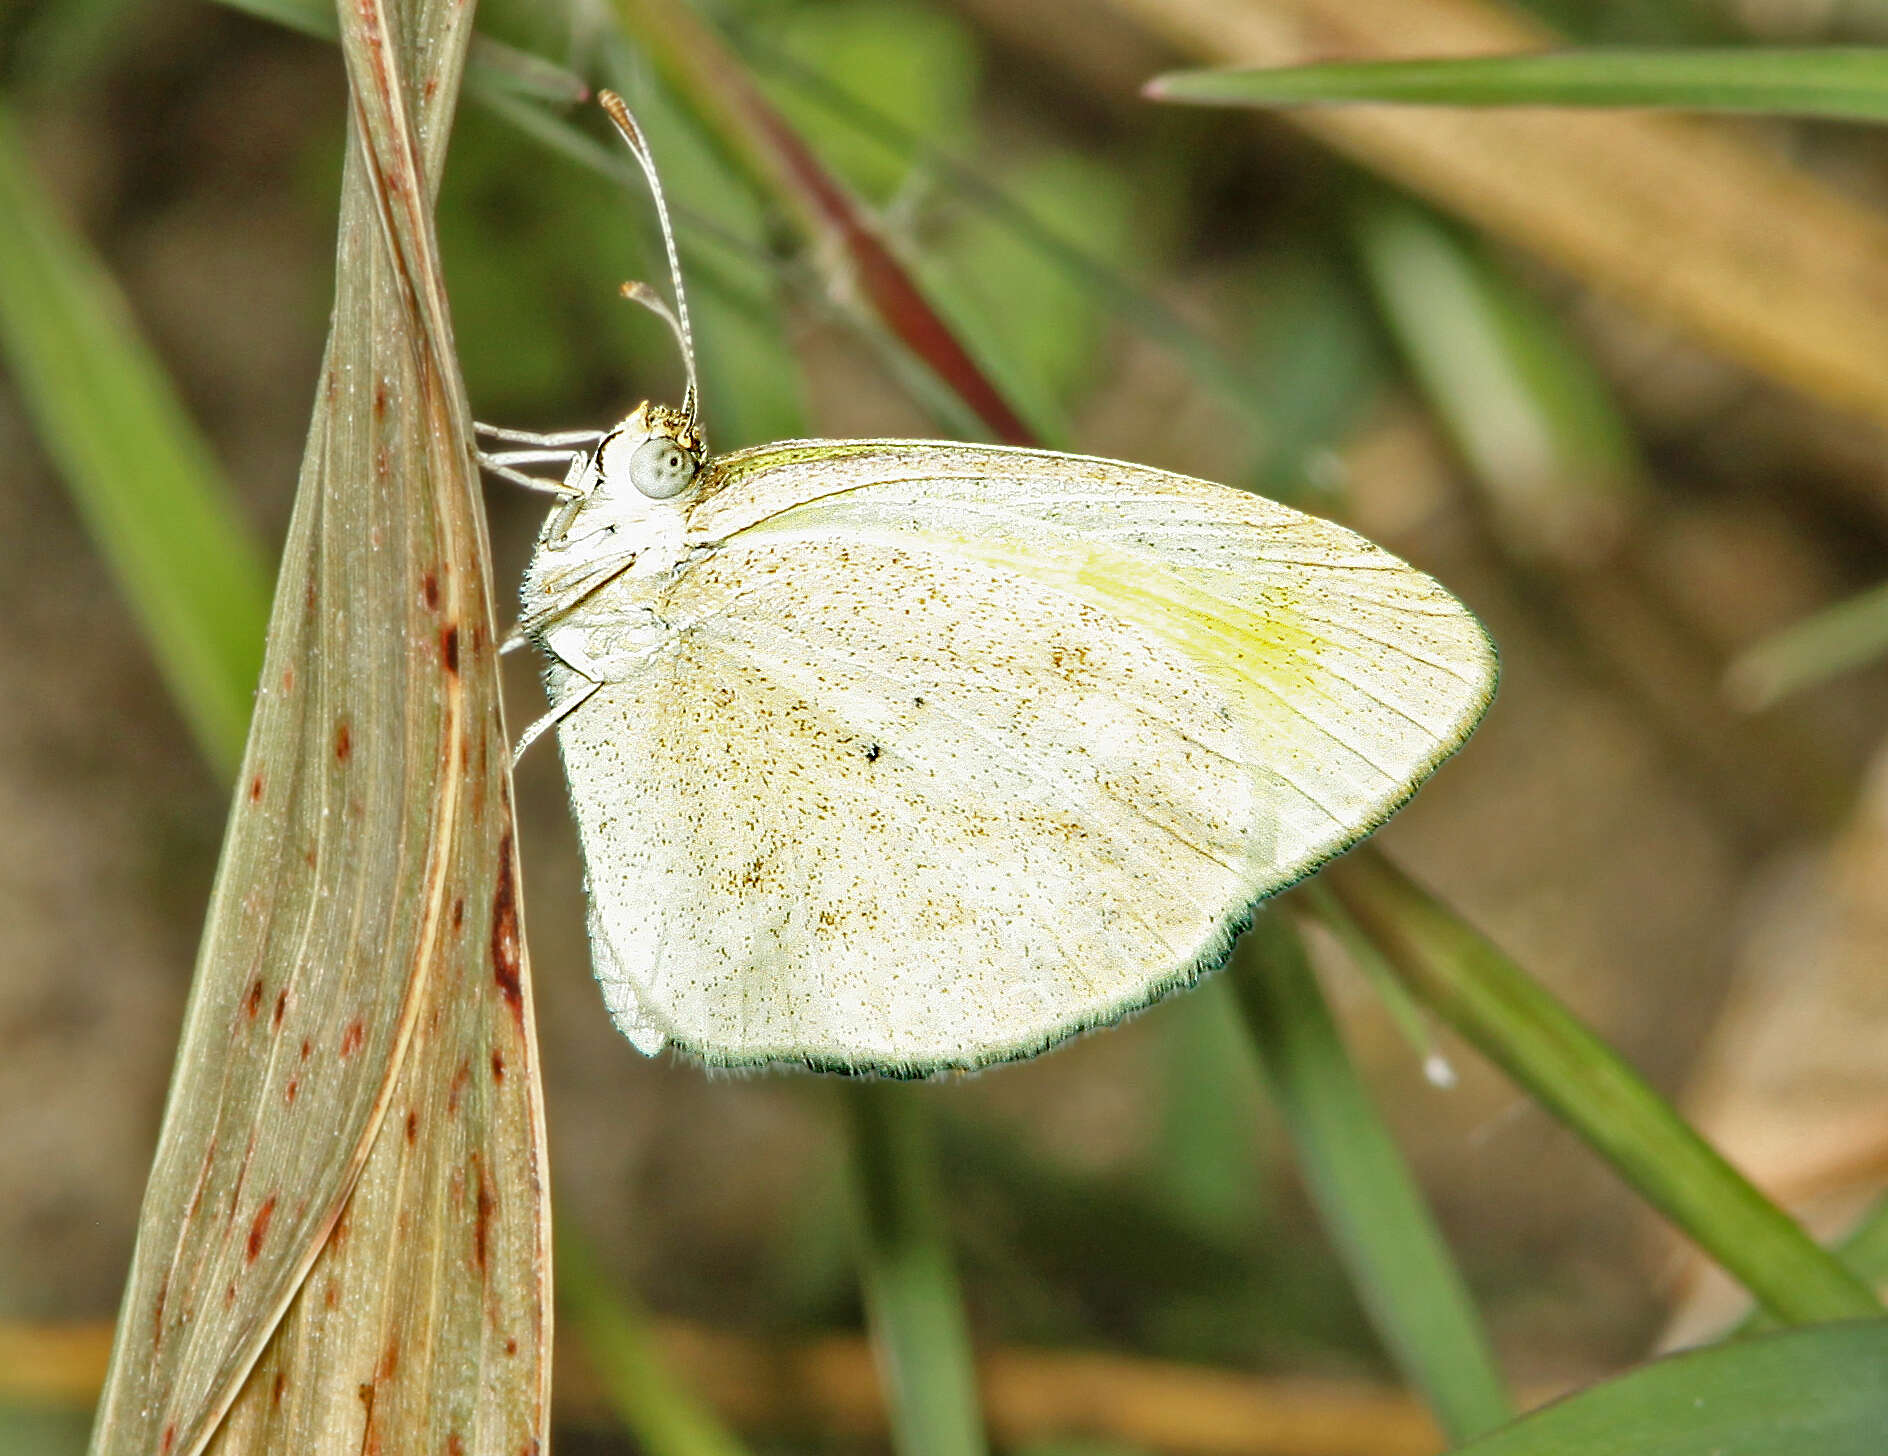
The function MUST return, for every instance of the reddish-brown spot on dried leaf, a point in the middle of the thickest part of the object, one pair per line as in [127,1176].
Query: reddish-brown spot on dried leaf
[259,1229]
[306,1049]
[352,1038]
[380,398]
[458,912]
[498,1067]
[281,1006]
[229,1294]
[203,1175]
[430,585]
[252,1003]
[455,1445]
[288,679]
[505,948]
[169,1440]
[255,789]
[511,1345]
[280,1384]
[449,647]
[343,743]
[288,1092]
[331,1296]
[389,1360]
[482,1222]
[412,1125]
[459,1079]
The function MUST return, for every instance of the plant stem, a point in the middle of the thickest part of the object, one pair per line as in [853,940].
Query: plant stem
[1362,1187]
[913,1306]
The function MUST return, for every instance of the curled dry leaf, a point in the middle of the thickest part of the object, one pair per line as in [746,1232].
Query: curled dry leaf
[344,1244]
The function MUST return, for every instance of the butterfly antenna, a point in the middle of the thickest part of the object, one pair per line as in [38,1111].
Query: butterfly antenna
[641,292]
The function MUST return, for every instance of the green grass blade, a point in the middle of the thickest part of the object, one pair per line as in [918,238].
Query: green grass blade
[1371,1205]
[1865,1250]
[1530,416]
[1824,645]
[1538,1042]
[1842,82]
[1081,265]
[696,62]
[151,493]
[1818,1390]
[912,1300]
[615,1332]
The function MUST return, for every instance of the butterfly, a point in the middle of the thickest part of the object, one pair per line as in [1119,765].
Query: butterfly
[897,757]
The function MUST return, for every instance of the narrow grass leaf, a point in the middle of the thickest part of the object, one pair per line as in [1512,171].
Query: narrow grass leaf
[1865,1250]
[1673,214]
[1363,1189]
[1822,1390]
[826,210]
[1842,82]
[1805,654]
[1537,1041]
[913,1307]
[1527,412]
[150,491]
[624,1350]
[344,1243]
[1085,269]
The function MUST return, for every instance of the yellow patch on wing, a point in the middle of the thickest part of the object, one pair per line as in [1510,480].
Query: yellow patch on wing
[1271,649]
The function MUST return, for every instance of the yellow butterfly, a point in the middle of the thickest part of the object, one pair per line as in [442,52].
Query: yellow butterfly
[894,756]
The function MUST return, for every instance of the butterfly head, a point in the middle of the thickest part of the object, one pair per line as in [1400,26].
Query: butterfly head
[653,455]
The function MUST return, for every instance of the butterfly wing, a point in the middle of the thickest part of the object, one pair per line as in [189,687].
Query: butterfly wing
[948,753]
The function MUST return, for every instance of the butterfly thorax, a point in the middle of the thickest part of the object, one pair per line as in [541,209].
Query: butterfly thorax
[604,555]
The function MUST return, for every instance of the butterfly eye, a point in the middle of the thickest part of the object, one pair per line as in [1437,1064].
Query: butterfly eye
[661,468]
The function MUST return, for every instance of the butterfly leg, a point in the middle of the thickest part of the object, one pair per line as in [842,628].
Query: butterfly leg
[529,437]
[573,447]
[505,465]
[568,646]
[557,715]
[540,618]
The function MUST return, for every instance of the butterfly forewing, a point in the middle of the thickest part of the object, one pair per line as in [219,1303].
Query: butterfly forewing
[947,752]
